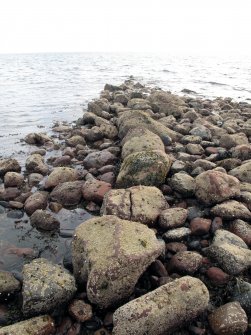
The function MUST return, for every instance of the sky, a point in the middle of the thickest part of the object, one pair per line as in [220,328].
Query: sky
[206,27]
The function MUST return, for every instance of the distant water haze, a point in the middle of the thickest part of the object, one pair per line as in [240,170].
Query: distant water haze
[39,89]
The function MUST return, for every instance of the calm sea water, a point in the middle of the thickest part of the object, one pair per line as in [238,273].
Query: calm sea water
[38,89]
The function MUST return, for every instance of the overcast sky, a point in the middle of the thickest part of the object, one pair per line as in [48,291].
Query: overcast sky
[177,26]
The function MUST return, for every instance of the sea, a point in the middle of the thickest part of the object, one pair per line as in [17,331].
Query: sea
[37,90]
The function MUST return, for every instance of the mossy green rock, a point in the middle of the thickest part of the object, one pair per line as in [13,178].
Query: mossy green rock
[148,168]
[138,139]
[110,254]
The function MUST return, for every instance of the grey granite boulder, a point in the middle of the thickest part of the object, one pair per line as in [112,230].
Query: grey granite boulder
[138,203]
[110,254]
[45,287]
[162,310]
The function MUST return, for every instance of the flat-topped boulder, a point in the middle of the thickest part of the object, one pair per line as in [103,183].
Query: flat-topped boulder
[163,310]
[148,168]
[231,210]
[138,203]
[110,254]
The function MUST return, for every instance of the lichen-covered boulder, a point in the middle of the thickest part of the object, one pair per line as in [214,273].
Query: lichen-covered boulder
[243,172]
[172,217]
[61,175]
[139,203]
[166,103]
[140,139]
[68,193]
[162,310]
[45,286]
[213,187]
[42,325]
[110,254]
[140,119]
[148,168]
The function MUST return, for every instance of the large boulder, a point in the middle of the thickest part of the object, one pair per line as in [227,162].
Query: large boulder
[61,175]
[243,172]
[111,265]
[140,119]
[45,286]
[167,103]
[141,139]
[213,187]
[148,168]
[7,165]
[68,193]
[162,310]
[42,325]
[35,163]
[139,203]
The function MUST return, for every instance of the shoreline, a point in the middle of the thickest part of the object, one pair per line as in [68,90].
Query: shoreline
[179,169]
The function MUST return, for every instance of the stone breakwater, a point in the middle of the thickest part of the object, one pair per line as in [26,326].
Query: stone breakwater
[168,179]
